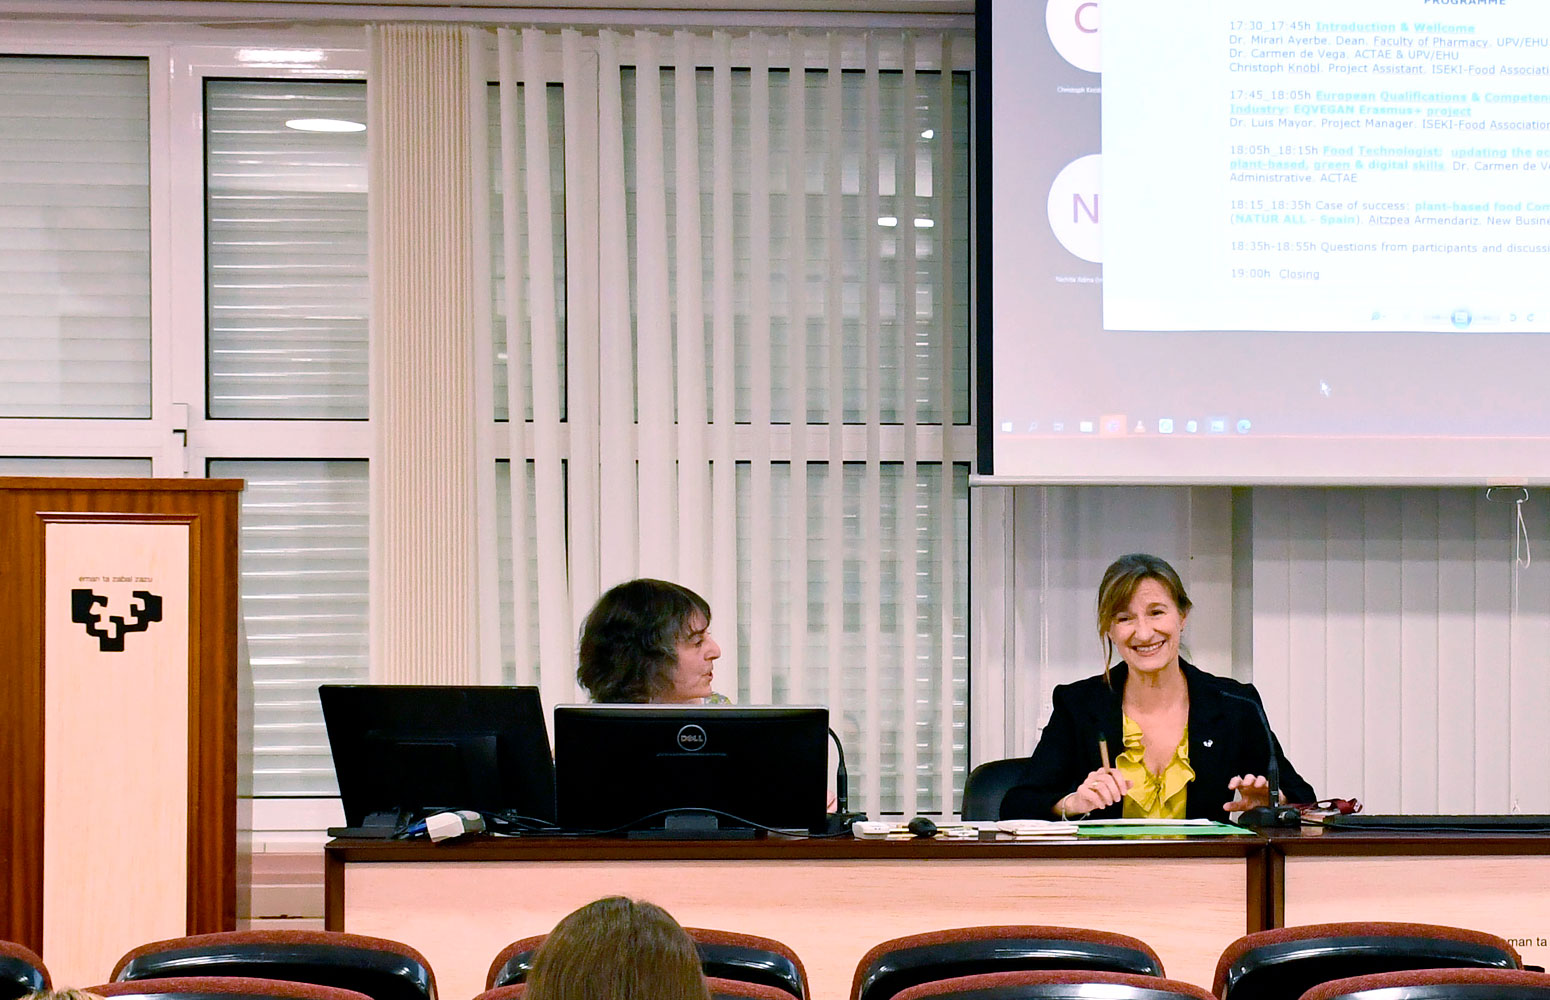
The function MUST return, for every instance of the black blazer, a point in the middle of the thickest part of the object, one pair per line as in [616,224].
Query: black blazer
[1225,740]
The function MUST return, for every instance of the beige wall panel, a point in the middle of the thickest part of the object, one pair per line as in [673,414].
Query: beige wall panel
[115,853]
[1500,894]
[461,914]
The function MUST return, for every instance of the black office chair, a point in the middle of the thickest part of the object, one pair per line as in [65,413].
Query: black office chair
[987,785]
[380,968]
[1437,984]
[21,971]
[1285,963]
[1055,986]
[894,966]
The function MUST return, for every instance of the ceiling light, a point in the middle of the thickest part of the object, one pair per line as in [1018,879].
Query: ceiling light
[324,125]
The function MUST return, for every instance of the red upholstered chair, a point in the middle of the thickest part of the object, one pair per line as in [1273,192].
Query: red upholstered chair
[733,989]
[511,992]
[896,965]
[1438,984]
[723,955]
[751,959]
[21,971]
[1283,964]
[223,988]
[512,965]
[1066,985]
[379,968]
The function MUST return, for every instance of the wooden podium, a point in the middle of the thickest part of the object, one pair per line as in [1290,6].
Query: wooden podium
[118,715]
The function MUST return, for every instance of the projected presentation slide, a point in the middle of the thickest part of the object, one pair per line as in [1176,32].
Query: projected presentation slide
[1326,168]
[1258,241]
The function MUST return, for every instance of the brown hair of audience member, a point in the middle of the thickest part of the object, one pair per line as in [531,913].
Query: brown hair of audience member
[64,994]
[617,949]
[1119,585]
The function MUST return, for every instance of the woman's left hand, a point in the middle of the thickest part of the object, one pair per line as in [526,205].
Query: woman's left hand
[1253,791]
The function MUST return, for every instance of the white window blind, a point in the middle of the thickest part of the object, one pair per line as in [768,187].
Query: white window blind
[75,268]
[303,596]
[830,536]
[286,222]
[75,467]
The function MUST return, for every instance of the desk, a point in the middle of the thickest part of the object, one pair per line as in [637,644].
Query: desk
[830,900]
[1498,882]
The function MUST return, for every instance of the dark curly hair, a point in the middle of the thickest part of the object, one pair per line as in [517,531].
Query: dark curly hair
[629,640]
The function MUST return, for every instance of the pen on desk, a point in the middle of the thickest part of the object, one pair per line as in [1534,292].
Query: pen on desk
[1103,752]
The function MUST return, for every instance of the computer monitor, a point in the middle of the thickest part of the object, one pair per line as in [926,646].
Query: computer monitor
[666,770]
[404,750]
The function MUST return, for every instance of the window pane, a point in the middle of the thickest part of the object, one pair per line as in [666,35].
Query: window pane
[75,258]
[304,563]
[90,467]
[523,348]
[288,293]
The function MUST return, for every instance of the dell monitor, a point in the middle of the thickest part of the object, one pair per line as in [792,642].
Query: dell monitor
[691,771]
[403,751]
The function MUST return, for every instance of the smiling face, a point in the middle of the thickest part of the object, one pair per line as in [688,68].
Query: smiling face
[1146,631]
[697,653]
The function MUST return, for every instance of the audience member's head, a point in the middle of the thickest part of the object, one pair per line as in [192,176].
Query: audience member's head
[65,994]
[647,641]
[617,949]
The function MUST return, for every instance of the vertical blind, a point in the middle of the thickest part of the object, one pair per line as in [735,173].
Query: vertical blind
[286,253]
[782,344]
[75,256]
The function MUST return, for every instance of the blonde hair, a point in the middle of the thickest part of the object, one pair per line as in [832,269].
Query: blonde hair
[1120,582]
[617,949]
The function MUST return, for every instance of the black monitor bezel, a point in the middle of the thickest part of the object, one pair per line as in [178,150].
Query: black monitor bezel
[356,716]
[603,783]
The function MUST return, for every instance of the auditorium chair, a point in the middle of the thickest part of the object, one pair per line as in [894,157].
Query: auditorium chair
[377,967]
[512,965]
[894,966]
[1285,963]
[21,971]
[987,785]
[222,988]
[511,992]
[723,955]
[1437,984]
[1060,985]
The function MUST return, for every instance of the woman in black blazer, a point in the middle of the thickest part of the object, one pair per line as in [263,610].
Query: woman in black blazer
[1151,736]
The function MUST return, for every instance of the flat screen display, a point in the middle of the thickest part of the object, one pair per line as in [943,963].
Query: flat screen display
[620,767]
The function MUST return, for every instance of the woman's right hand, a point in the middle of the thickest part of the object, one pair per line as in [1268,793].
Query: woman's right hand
[1098,790]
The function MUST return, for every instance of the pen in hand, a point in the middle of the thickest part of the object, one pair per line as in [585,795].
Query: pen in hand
[1103,752]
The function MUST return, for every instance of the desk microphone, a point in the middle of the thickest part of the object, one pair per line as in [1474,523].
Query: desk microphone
[1275,814]
[843,817]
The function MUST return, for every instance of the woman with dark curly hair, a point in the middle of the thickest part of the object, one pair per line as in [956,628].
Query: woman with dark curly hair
[617,949]
[648,641]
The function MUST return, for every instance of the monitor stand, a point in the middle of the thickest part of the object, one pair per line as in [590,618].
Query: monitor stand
[375,826]
[693,826]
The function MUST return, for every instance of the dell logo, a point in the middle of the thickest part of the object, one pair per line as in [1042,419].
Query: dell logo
[692,737]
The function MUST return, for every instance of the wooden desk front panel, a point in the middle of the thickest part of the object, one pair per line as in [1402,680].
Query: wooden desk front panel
[460,914]
[1503,894]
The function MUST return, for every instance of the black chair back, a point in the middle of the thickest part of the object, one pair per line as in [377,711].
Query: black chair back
[751,964]
[1285,970]
[987,785]
[21,971]
[884,975]
[381,973]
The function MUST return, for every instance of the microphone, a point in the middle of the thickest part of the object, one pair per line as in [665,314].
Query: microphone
[1275,814]
[842,819]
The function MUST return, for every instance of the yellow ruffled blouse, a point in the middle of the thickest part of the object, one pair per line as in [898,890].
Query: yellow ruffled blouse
[1154,796]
